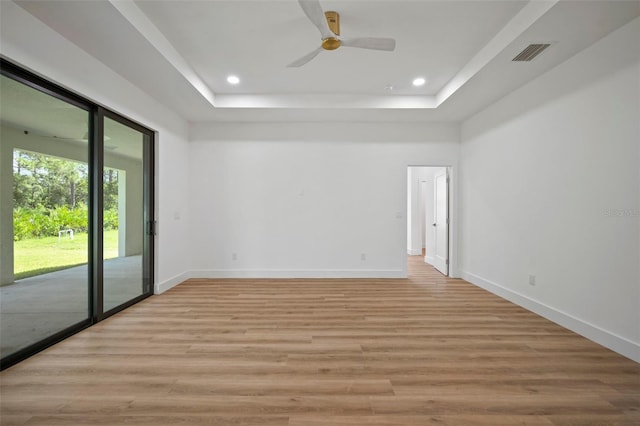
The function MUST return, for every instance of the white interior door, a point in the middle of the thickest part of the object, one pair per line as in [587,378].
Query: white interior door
[441,222]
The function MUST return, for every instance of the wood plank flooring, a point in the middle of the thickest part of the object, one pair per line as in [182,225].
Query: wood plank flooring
[427,350]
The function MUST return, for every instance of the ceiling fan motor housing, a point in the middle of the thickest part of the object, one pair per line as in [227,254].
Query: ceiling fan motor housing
[330,43]
[333,20]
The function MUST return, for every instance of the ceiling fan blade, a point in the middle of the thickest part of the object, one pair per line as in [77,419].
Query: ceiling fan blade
[374,43]
[314,12]
[306,58]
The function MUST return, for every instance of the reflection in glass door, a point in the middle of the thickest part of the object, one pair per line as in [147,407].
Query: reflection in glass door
[44,194]
[125,221]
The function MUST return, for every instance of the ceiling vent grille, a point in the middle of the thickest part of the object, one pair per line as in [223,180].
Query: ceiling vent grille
[530,52]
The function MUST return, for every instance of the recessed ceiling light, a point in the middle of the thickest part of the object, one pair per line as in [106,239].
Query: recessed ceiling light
[419,81]
[232,79]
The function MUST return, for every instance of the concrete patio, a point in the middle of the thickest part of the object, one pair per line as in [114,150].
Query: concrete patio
[34,308]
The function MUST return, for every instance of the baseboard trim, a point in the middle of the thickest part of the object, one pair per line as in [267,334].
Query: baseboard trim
[414,252]
[165,285]
[298,273]
[430,260]
[592,332]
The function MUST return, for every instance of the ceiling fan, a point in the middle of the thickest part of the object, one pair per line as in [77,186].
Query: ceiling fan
[329,25]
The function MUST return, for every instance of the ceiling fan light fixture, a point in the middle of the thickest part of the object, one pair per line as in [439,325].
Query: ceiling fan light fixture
[419,81]
[233,79]
[330,43]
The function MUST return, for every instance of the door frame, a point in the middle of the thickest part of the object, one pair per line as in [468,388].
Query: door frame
[148,256]
[452,206]
[97,113]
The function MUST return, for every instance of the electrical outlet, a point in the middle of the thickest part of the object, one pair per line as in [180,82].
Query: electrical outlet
[532,280]
[234,256]
[363,256]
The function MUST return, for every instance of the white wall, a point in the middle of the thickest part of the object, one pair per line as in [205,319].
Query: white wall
[541,171]
[422,211]
[304,199]
[31,44]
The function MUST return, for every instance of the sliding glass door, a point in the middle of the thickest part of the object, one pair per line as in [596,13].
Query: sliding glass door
[76,215]
[44,154]
[126,221]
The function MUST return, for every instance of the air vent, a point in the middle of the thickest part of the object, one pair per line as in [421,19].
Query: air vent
[530,52]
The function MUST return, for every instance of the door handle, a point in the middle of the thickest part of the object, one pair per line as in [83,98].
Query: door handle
[151,227]
[434,224]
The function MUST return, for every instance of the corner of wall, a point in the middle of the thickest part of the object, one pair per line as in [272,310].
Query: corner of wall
[168,284]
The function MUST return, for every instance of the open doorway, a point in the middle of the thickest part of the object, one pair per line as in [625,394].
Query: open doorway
[428,215]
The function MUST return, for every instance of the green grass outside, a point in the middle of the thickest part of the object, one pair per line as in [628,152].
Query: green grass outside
[43,255]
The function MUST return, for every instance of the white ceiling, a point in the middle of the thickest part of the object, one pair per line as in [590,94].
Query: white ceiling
[181,51]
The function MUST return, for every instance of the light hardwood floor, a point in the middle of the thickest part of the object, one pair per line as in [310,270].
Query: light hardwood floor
[427,350]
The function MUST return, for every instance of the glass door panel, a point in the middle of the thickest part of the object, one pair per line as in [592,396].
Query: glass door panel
[124,221]
[44,215]
[76,209]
